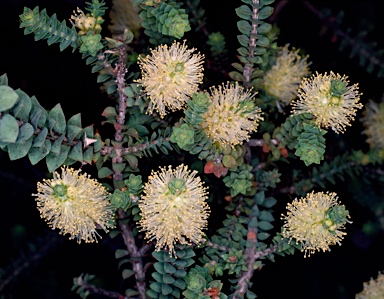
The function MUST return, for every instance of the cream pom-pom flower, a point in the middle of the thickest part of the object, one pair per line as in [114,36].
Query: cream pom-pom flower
[315,221]
[283,79]
[373,289]
[174,208]
[329,99]
[373,121]
[75,204]
[232,115]
[170,75]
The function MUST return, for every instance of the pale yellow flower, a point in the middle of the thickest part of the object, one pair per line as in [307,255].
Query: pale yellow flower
[315,221]
[283,79]
[232,115]
[173,208]
[170,75]
[329,99]
[373,121]
[86,22]
[75,204]
[373,289]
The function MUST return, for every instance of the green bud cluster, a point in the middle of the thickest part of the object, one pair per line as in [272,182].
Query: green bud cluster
[234,261]
[217,42]
[167,19]
[199,282]
[183,135]
[91,43]
[338,88]
[311,144]
[241,181]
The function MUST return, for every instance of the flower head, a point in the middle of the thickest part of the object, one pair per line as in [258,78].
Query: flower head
[373,121]
[283,79]
[232,116]
[86,22]
[169,76]
[373,289]
[315,221]
[173,208]
[75,204]
[329,99]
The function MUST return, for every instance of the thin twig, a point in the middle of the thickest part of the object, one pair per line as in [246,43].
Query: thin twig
[99,291]
[265,252]
[250,258]
[129,240]
[135,255]
[120,71]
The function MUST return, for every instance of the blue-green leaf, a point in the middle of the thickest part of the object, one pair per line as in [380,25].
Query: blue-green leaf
[8,98]
[9,128]
[56,119]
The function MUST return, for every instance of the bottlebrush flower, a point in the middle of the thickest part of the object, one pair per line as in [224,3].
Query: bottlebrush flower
[373,121]
[373,289]
[75,204]
[232,116]
[329,99]
[315,221]
[283,79]
[170,75]
[173,208]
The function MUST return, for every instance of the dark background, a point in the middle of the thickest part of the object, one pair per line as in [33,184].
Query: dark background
[49,265]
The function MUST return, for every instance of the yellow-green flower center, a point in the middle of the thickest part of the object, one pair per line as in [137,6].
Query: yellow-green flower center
[177,186]
[60,190]
[176,68]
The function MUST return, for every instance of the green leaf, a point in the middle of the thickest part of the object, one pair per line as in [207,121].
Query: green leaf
[132,161]
[19,150]
[244,27]
[73,132]
[265,225]
[269,202]
[88,155]
[38,115]
[262,236]
[244,12]
[236,76]
[259,198]
[179,283]
[168,279]
[169,268]
[9,128]
[3,79]
[56,146]
[77,152]
[127,273]
[56,119]
[262,42]
[104,172]
[120,253]
[25,132]
[156,286]
[75,120]
[166,289]
[264,28]
[267,216]
[8,97]
[40,138]
[36,154]
[54,161]
[265,12]
[23,106]
[159,266]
